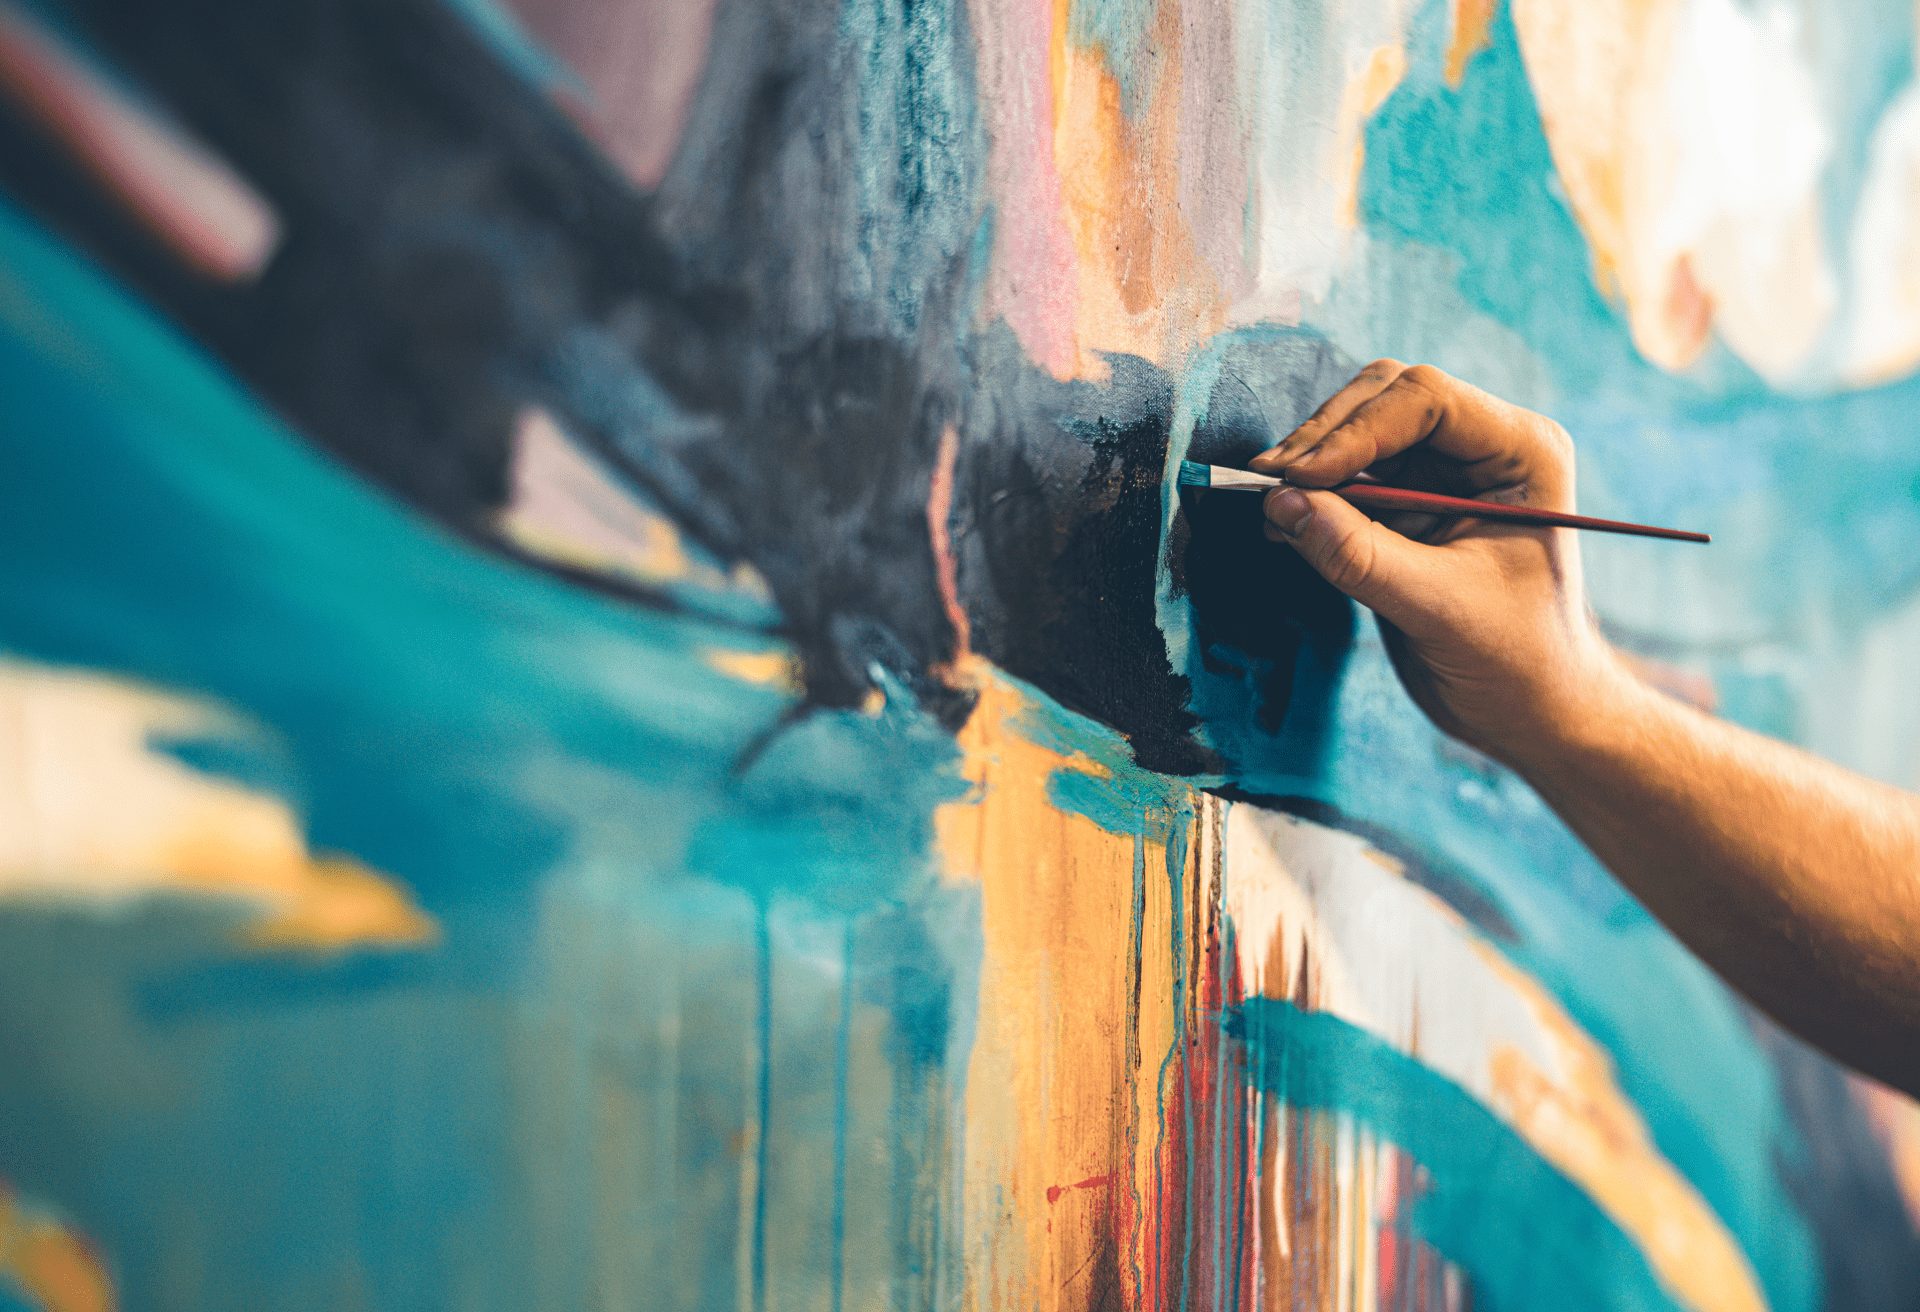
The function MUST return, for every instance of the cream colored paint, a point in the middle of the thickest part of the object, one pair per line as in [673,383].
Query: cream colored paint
[1309,110]
[92,814]
[1691,142]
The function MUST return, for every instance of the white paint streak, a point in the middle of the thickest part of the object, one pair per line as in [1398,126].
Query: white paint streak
[1883,339]
[1312,79]
[92,814]
[1691,141]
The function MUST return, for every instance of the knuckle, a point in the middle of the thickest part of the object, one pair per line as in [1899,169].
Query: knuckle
[1427,378]
[1382,369]
[1556,438]
[1427,385]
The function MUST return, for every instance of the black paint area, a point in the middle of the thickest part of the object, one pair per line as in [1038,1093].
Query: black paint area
[768,347]
[1252,597]
[1059,528]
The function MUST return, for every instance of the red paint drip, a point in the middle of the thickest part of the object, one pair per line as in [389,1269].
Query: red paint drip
[1199,1245]
[1091,1182]
[939,510]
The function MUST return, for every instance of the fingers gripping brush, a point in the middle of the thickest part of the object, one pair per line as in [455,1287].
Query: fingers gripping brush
[1378,496]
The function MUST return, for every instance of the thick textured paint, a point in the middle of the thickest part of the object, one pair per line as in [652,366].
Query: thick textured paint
[1076,1192]
[708,1023]
[1306,125]
[1030,280]
[1471,19]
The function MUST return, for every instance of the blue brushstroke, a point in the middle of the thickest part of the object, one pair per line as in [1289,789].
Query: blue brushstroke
[916,164]
[502,30]
[842,1066]
[500,743]
[1526,1235]
[763,1099]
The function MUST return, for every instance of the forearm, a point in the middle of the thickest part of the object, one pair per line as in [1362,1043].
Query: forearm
[1794,879]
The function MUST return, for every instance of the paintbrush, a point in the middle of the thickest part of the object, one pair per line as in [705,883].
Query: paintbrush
[1378,496]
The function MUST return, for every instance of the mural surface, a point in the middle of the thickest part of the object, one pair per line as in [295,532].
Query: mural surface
[605,703]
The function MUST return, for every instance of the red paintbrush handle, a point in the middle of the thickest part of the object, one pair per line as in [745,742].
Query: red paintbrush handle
[1378,496]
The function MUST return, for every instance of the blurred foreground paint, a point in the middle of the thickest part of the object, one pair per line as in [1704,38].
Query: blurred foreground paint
[603,703]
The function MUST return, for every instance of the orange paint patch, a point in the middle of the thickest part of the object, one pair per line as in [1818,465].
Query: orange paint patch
[1142,288]
[769,669]
[1076,1018]
[338,904]
[1472,20]
[50,1262]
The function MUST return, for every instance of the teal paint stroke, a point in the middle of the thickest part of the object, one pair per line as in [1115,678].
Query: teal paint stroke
[1526,1236]
[564,783]
[503,30]
[916,158]
[1103,783]
[403,666]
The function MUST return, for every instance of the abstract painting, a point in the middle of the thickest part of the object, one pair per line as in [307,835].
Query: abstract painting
[606,701]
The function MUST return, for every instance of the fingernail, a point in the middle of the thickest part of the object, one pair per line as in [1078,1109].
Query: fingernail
[1266,460]
[1288,510]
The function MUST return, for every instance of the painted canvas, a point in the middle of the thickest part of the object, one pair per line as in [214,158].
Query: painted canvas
[606,701]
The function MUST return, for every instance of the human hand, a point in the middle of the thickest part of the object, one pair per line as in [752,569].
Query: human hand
[1487,624]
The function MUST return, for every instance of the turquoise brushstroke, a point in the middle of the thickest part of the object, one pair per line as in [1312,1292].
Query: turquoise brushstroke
[503,30]
[563,782]
[1526,1236]
[395,636]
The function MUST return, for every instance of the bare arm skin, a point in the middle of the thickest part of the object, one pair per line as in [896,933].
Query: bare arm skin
[1797,881]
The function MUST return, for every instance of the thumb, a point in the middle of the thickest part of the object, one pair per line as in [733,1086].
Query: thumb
[1368,561]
